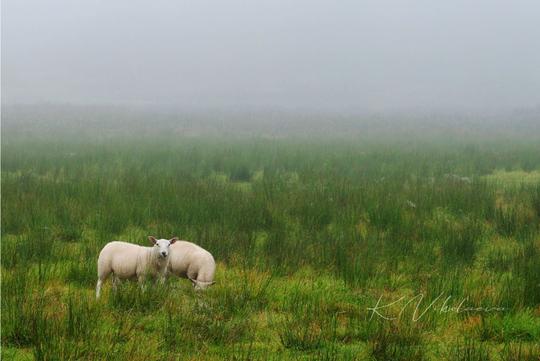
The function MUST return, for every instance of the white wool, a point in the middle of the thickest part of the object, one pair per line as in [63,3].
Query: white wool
[130,261]
[189,260]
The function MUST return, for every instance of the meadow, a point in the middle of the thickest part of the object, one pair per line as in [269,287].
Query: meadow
[327,248]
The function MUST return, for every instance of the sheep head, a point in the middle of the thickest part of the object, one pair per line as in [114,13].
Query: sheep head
[161,246]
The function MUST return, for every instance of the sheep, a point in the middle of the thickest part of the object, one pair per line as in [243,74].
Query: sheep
[188,260]
[129,261]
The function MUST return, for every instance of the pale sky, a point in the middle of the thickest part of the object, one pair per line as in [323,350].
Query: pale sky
[361,55]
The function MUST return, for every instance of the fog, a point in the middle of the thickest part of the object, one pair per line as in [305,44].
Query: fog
[314,55]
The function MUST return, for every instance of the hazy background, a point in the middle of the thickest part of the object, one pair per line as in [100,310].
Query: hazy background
[280,54]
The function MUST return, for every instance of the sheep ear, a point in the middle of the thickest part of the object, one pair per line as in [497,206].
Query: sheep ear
[192,281]
[174,239]
[152,239]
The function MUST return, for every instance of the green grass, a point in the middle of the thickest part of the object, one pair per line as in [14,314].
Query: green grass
[308,235]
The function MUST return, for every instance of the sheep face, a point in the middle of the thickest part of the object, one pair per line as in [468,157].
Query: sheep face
[200,285]
[161,246]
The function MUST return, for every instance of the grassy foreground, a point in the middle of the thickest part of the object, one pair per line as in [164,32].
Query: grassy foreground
[326,250]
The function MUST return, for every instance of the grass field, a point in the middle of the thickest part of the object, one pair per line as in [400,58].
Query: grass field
[327,249]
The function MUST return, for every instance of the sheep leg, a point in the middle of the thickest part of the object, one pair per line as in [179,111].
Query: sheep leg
[104,270]
[115,283]
[161,278]
[102,276]
[142,284]
[98,288]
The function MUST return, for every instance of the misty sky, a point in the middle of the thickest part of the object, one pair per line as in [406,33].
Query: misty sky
[362,55]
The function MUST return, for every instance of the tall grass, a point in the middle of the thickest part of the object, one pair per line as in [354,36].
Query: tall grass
[308,235]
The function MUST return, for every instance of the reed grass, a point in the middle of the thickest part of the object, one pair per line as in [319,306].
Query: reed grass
[308,235]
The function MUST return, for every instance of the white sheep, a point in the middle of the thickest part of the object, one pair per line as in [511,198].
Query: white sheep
[130,261]
[188,260]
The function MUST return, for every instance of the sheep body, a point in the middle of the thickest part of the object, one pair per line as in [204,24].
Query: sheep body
[130,261]
[189,260]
